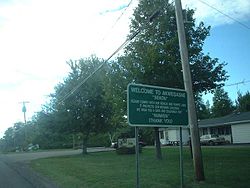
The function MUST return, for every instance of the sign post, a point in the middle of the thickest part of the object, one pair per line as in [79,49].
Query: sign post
[151,106]
[137,157]
[181,158]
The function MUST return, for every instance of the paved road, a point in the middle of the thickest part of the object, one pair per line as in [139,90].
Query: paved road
[9,177]
[15,171]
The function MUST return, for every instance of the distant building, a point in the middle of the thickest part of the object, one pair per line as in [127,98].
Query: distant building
[235,128]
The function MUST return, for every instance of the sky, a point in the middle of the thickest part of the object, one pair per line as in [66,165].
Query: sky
[37,38]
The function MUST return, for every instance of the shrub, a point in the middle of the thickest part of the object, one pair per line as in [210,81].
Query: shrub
[127,150]
[98,140]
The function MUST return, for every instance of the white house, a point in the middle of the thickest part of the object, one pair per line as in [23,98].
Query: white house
[234,127]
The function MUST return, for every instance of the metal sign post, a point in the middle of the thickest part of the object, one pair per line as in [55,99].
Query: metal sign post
[181,158]
[153,106]
[137,157]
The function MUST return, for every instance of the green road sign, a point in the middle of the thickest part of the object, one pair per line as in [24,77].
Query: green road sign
[152,106]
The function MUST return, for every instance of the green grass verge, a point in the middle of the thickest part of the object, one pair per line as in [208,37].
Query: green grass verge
[224,168]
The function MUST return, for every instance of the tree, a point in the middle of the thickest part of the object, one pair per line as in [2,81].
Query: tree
[15,137]
[153,56]
[20,135]
[8,141]
[222,104]
[46,128]
[114,86]
[243,102]
[85,109]
[203,109]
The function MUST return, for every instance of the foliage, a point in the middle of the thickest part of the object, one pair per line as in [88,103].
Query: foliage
[97,140]
[146,135]
[243,102]
[115,93]
[98,106]
[85,110]
[46,131]
[15,138]
[202,109]
[127,150]
[222,104]
[153,57]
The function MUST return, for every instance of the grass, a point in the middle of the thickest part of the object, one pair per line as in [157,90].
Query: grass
[224,168]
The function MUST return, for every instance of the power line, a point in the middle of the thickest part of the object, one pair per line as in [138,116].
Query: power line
[230,17]
[100,66]
[112,27]
[153,16]
[238,83]
[117,20]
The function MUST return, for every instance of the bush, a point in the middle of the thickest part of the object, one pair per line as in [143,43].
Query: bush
[127,150]
[98,140]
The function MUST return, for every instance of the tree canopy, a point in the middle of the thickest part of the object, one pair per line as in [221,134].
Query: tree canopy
[153,56]
[98,105]
[222,104]
[243,102]
[81,104]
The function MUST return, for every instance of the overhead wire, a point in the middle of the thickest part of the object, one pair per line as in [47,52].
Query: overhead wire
[98,68]
[228,16]
[239,22]
[238,83]
[112,27]
[153,16]
[117,20]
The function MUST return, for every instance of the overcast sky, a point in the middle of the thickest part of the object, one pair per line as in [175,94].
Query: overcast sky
[38,37]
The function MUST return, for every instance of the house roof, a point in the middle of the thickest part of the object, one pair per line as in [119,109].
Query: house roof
[235,118]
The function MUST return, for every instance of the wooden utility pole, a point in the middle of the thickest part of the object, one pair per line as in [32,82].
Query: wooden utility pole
[194,130]
[24,117]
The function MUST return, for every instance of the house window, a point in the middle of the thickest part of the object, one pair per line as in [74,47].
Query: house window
[213,131]
[204,131]
[228,130]
[221,131]
[161,135]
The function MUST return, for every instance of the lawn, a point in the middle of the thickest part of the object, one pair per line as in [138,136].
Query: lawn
[224,168]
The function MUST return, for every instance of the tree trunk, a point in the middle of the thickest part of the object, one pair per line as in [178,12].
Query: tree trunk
[84,149]
[84,144]
[157,144]
[111,137]
[74,143]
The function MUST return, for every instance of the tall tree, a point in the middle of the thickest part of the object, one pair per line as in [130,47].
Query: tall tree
[20,133]
[243,102]
[222,104]
[203,109]
[85,109]
[114,86]
[153,56]
[46,130]
[9,142]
